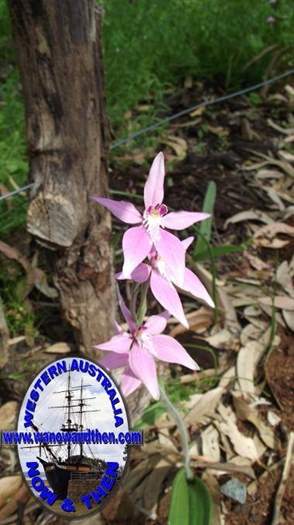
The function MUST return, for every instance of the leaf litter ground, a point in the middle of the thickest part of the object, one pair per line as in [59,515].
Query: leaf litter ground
[239,408]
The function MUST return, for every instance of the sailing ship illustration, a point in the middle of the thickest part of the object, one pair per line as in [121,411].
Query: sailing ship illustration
[68,465]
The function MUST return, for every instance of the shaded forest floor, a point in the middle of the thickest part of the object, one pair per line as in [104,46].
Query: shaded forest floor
[239,407]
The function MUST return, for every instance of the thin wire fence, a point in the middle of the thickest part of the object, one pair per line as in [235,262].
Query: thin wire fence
[166,120]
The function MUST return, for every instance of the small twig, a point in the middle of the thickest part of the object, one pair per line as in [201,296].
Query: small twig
[283,482]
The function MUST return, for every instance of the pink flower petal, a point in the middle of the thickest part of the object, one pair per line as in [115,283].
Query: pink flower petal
[187,242]
[171,351]
[167,296]
[143,366]
[155,324]
[136,246]
[118,343]
[125,211]
[129,383]
[139,275]
[194,286]
[179,220]
[173,253]
[153,190]
[114,360]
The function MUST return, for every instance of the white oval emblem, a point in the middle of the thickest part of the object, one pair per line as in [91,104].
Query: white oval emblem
[73,434]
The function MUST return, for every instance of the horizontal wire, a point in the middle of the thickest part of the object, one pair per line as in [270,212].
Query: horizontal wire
[166,120]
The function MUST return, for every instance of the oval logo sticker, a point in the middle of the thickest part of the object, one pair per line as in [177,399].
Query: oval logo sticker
[73,435]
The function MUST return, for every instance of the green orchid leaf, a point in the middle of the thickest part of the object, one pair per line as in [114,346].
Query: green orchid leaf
[191,503]
[219,251]
[205,226]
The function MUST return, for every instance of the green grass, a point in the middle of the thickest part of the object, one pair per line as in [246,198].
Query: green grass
[177,392]
[150,47]
[18,312]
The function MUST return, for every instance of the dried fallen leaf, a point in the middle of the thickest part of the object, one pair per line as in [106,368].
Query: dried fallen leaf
[227,308]
[8,413]
[244,446]
[199,322]
[202,405]
[8,487]
[247,360]
[222,339]
[201,462]
[289,319]
[153,485]
[269,174]
[178,144]
[284,278]
[13,253]
[280,301]
[255,261]
[58,348]
[247,413]
[35,276]
[137,474]
[210,443]
[198,112]
[218,130]
[252,332]
[265,236]
[212,484]
[273,418]
[270,161]
[227,378]
[285,131]
[20,497]
[164,437]
[248,215]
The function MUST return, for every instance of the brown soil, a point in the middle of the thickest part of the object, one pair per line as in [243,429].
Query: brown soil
[280,377]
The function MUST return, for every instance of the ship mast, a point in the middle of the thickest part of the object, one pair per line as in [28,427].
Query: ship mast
[81,417]
[69,425]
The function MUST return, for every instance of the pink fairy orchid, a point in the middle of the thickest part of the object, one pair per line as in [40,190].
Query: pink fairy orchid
[138,349]
[139,240]
[162,283]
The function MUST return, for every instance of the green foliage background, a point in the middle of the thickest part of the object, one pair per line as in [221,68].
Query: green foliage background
[150,45]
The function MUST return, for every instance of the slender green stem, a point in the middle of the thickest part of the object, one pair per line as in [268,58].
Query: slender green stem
[133,304]
[182,430]
[143,303]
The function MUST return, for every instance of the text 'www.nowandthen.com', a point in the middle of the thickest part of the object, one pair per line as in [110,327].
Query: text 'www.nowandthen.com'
[59,438]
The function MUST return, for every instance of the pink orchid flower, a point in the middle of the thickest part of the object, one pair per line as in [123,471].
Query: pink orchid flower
[138,349]
[139,240]
[162,283]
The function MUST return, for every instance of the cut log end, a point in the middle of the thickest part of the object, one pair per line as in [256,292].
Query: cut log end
[53,218]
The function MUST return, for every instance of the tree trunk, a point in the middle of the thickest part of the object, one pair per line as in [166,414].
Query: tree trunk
[59,50]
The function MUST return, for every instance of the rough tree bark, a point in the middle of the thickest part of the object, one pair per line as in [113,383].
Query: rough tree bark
[59,50]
